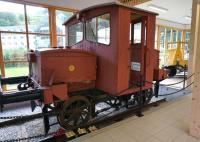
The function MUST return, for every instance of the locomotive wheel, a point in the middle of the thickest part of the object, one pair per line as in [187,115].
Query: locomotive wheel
[147,96]
[75,112]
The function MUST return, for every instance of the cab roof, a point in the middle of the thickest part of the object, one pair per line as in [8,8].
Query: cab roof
[108,4]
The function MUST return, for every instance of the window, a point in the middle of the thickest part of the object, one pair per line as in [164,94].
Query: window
[180,36]
[38,27]
[187,37]
[137,33]
[39,41]
[38,19]
[98,29]
[169,35]
[17,37]
[174,38]
[103,29]
[162,38]
[61,17]
[186,46]
[14,55]
[12,17]
[91,28]
[75,33]
[162,45]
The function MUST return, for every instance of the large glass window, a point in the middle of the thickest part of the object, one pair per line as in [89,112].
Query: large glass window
[170,38]
[187,36]
[38,19]
[38,27]
[61,17]
[180,33]
[174,38]
[75,33]
[162,45]
[18,35]
[186,46]
[37,41]
[14,54]
[162,38]
[98,29]
[12,17]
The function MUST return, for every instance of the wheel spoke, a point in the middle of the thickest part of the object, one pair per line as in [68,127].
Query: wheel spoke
[75,112]
[78,104]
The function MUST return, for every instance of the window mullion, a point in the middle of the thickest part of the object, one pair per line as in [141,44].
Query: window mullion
[1,59]
[52,27]
[26,25]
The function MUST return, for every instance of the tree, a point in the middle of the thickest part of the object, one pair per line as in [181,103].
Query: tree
[8,19]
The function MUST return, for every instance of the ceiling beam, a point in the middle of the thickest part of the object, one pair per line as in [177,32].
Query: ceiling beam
[133,2]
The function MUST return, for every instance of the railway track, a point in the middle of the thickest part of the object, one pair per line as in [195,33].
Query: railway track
[100,123]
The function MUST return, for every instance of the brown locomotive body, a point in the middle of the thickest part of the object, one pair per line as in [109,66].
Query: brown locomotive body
[121,60]
[110,57]
[62,70]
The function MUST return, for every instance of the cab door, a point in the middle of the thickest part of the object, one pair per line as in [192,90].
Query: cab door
[138,50]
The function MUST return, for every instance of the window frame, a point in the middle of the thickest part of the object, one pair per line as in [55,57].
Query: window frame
[97,29]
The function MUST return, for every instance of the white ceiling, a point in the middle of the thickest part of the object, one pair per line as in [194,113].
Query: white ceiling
[73,4]
[177,9]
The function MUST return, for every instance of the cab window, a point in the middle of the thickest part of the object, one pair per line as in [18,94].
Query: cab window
[75,33]
[98,29]
[137,33]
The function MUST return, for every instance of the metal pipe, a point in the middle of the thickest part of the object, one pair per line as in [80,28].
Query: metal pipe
[14,80]
[21,96]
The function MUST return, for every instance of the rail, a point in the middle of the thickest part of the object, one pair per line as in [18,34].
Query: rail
[183,81]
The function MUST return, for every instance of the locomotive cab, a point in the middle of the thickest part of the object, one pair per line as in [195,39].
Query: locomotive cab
[110,58]
[123,40]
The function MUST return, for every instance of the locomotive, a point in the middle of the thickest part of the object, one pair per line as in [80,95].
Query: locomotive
[109,57]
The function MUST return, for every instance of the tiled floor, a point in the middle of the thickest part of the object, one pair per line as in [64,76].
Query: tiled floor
[167,123]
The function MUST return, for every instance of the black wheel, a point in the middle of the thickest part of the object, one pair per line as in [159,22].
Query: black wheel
[23,86]
[172,70]
[75,112]
[180,68]
[147,96]
[144,98]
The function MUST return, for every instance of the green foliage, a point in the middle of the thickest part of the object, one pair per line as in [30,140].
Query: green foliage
[8,19]
[14,54]
[16,70]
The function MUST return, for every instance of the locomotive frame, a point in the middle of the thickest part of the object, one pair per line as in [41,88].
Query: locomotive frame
[71,81]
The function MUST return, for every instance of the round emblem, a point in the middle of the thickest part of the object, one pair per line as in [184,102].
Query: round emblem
[71,68]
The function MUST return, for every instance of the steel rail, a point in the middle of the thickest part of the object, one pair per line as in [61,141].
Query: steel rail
[102,122]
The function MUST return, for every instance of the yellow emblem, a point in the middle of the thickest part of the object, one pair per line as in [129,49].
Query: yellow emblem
[71,68]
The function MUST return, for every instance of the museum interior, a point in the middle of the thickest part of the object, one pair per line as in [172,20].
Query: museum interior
[99,70]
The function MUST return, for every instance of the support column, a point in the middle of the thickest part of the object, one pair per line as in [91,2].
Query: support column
[195,65]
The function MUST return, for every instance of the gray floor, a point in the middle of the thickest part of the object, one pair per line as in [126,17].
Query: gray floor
[35,127]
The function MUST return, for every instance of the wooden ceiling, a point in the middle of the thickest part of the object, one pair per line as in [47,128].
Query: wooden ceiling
[132,2]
